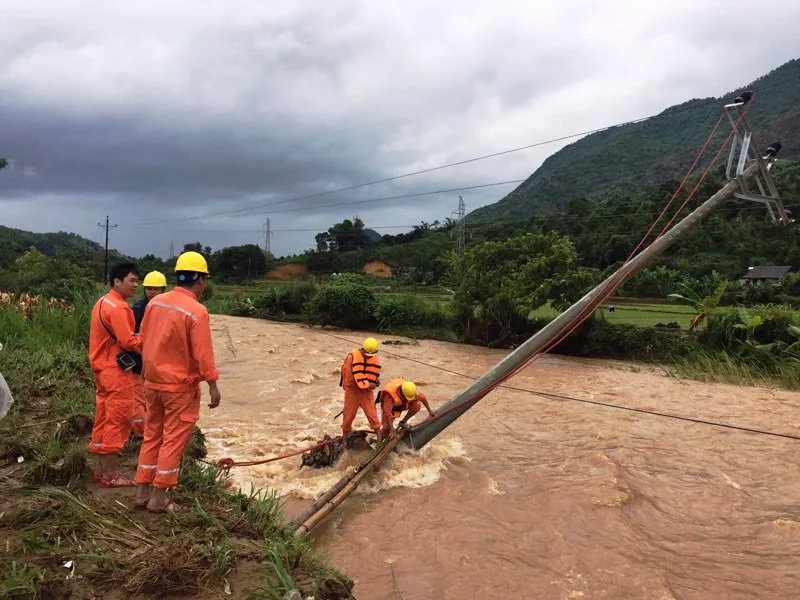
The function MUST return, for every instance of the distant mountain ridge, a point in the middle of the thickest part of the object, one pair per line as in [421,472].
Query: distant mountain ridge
[372,234]
[636,156]
[16,242]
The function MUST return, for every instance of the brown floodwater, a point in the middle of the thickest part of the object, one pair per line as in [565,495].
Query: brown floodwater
[525,496]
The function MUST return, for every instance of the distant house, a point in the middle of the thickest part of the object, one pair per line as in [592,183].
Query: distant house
[759,274]
[378,268]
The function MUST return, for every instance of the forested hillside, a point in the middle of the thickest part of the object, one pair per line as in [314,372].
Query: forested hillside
[632,158]
[604,230]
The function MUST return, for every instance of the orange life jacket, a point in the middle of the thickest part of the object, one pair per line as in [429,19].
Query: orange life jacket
[393,390]
[363,367]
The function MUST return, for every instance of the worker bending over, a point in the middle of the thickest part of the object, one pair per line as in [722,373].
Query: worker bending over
[154,284]
[360,374]
[397,396]
[112,344]
[177,355]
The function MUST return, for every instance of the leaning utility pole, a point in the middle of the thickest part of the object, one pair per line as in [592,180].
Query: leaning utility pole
[752,167]
[105,272]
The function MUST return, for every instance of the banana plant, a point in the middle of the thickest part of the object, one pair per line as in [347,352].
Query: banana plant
[793,349]
[703,306]
[749,324]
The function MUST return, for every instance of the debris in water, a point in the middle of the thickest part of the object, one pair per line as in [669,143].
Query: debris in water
[326,456]
[400,343]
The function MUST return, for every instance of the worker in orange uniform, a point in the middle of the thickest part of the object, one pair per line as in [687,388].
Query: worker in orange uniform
[397,396]
[154,284]
[177,355]
[360,374]
[112,344]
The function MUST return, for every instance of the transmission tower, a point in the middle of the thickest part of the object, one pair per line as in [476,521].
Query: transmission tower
[459,229]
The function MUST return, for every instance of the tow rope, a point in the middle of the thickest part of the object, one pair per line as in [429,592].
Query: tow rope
[226,464]
[311,457]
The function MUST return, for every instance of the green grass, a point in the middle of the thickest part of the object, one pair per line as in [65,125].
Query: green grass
[18,580]
[642,315]
[721,367]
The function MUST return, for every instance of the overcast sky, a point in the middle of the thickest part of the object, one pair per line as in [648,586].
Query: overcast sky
[157,113]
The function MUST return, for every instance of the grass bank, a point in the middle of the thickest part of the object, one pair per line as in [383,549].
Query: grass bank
[64,537]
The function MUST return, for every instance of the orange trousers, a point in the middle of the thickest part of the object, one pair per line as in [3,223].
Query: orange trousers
[113,405]
[352,401]
[171,417]
[139,406]
[388,417]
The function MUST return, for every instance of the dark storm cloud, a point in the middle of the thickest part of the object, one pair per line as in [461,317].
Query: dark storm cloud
[125,156]
[158,112]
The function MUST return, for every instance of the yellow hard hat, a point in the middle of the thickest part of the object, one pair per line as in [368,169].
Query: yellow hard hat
[370,346]
[155,279]
[192,261]
[409,390]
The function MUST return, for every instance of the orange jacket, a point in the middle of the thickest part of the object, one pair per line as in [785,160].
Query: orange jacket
[359,370]
[118,319]
[392,400]
[177,353]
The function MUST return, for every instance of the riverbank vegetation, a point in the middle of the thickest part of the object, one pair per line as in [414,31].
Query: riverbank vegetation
[754,345]
[64,537]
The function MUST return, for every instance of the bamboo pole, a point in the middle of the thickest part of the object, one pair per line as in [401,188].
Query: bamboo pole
[315,513]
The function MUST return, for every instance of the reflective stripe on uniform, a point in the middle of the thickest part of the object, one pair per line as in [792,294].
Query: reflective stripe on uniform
[173,307]
[167,472]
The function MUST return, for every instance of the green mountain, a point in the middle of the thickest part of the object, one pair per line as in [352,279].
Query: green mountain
[631,158]
[16,242]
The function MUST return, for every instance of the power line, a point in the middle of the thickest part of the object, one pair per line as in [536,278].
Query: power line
[461,162]
[367,201]
[273,230]
[564,397]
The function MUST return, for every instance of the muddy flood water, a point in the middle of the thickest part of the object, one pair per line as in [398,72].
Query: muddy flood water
[525,496]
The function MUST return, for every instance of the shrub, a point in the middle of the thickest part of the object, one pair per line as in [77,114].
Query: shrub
[286,299]
[623,341]
[345,301]
[394,313]
[726,330]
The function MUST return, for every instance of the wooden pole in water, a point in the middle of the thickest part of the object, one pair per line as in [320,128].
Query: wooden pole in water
[423,433]
[336,495]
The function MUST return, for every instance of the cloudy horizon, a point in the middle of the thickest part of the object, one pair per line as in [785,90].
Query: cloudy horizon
[195,121]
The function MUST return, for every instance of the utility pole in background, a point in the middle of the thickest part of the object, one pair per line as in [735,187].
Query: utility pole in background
[105,272]
[267,237]
[459,229]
